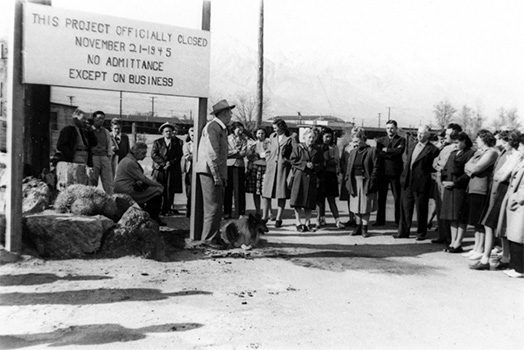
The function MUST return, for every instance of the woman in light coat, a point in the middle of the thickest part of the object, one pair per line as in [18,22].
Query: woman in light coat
[514,210]
[277,170]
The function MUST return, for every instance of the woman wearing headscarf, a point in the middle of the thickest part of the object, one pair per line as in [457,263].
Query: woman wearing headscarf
[167,154]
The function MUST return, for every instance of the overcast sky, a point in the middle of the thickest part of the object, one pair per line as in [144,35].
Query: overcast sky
[474,40]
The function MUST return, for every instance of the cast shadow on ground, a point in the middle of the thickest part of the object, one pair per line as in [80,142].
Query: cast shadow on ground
[355,249]
[91,296]
[378,258]
[94,334]
[30,279]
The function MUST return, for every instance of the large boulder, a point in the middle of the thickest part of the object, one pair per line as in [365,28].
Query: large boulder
[122,202]
[66,236]
[136,234]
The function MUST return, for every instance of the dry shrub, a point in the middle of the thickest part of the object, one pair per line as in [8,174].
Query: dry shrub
[86,200]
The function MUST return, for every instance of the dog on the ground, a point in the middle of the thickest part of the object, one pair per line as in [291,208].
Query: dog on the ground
[244,232]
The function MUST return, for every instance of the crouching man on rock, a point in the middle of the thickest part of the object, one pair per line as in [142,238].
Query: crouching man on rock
[130,179]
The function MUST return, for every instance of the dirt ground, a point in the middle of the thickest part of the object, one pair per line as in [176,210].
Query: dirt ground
[316,290]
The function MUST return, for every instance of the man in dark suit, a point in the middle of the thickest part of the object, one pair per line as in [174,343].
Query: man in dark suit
[390,149]
[211,167]
[415,182]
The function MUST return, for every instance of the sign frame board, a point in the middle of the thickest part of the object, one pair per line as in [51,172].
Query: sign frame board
[76,49]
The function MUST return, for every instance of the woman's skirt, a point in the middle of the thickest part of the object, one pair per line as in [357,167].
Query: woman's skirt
[255,179]
[362,203]
[472,209]
[491,217]
[452,204]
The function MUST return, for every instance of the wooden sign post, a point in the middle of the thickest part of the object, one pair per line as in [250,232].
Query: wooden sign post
[101,52]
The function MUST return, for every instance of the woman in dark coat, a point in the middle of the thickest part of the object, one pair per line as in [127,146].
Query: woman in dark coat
[455,181]
[167,154]
[307,160]
[361,181]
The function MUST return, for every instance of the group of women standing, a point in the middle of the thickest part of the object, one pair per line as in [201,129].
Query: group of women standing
[307,173]
[485,189]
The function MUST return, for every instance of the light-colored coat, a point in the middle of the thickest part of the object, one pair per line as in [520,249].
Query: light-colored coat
[212,152]
[514,204]
[277,167]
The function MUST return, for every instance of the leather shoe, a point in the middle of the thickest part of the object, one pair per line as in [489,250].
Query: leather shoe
[357,231]
[214,245]
[479,266]
[502,266]
[278,223]
[456,250]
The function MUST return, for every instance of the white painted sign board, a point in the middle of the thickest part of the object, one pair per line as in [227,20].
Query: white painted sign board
[84,50]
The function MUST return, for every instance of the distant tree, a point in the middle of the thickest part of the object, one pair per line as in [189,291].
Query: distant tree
[246,110]
[507,120]
[444,113]
[470,120]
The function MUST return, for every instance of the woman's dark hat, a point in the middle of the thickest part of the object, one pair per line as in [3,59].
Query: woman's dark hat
[221,106]
[166,125]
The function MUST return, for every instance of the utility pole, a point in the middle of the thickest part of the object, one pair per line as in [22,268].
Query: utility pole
[260,83]
[120,104]
[71,100]
[389,113]
[152,106]
[379,120]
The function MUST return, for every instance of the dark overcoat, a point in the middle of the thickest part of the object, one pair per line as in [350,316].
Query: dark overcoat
[304,189]
[171,178]
[418,177]
[453,198]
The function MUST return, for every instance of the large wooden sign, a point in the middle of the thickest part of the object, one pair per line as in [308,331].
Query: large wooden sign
[77,49]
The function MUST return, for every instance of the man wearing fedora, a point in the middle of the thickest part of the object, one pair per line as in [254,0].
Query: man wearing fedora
[211,167]
[167,154]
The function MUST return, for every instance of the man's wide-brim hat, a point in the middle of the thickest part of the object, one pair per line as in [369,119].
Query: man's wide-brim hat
[166,125]
[221,106]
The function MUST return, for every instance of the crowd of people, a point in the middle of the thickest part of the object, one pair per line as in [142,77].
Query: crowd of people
[473,183]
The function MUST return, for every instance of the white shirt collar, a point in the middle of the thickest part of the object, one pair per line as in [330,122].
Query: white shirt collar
[221,123]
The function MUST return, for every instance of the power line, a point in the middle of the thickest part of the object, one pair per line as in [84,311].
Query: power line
[327,98]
